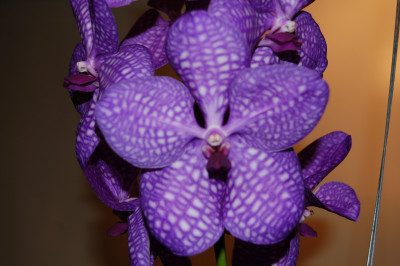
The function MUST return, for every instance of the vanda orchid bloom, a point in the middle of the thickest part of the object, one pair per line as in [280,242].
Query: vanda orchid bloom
[317,160]
[252,119]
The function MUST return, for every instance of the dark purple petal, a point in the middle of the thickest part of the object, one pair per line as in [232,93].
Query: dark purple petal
[306,230]
[284,253]
[86,135]
[148,121]
[80,82]
[322,156]
[105,38]
[117,229]
[171,8]
[78,55]
[113,179]
[242,16]
[274,107]
[207,54]
[119,3]
[182,205]
[313,49]
[83,19]
[265,194]
[138,240]
[150,31]
[131,61]
[263,56]
[340,199]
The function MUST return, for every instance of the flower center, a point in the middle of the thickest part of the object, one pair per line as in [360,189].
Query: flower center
[87,66]
[306,214]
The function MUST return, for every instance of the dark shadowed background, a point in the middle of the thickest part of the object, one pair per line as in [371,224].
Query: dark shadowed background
[49,214]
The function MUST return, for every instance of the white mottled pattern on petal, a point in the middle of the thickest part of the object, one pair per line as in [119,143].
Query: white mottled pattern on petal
[274,107]
[138,240]
[263,56]
[84,21]
[148,121]
[207,53]
[131,61]
[265,194]
[182,205]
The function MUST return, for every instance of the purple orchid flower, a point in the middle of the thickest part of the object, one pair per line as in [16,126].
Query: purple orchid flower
[317,161]
[150,122]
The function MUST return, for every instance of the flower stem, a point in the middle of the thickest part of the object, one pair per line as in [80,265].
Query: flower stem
[219,249]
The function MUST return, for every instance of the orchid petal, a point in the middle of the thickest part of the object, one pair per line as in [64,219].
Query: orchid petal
[138,240]
[313,49]
[112,179]
[148,121]
[339,198]
[283,253]
[78,55]
[262,5]
[86,135]
[306,230]
[263,56]
[119,3]
[207,54]
[322,156]
[265,194]
[182,205]
[83,19]
[131,61]
[106,38]
[274,107]
[242,15]
[290,7]
[150,31]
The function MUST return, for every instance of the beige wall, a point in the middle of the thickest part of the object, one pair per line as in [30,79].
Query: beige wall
[51,217]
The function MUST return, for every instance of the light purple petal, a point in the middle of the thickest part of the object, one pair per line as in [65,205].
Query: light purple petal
[182,205]
[119,3]
[112,179]
[207,54]
[340,199]
[313,49]
[263,56]
[274,107]
[86,135]
[150,31]
[138,240]
[105,38]
[265,194]
[322,156]
[284,253]
[131,61]
[242,16]
[148,121]
[83,19]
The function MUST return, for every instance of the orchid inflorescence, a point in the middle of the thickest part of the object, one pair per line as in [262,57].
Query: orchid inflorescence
[213,152]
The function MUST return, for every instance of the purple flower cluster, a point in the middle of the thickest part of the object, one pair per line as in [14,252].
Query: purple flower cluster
[212,152]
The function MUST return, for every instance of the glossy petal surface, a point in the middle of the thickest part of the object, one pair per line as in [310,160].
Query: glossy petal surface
[112,179]
[207,54]
[263,56]
[322,156]
[148,121]
[182,205]
[150,31]
[265,194]
[138,240]
[339,198]
[274,107]
[241,15]
[131,61]
[313,49]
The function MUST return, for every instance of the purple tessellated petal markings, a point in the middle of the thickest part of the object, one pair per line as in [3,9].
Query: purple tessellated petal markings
[131,61]
[182,205]
[322,156]
[113,180]
[274,107]
[138,240]
[313,49]
[207,53]
[339,198]
[148,121]
[242,15]
[263,56]
[265,194]
[290,7]
[83,18]
[150,31]
[119,3]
